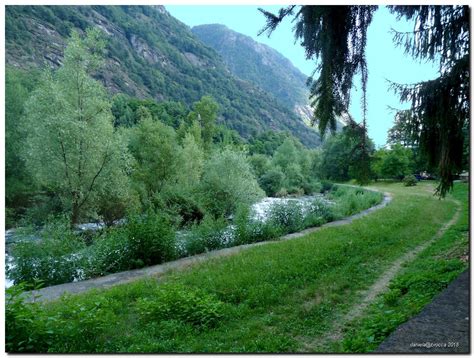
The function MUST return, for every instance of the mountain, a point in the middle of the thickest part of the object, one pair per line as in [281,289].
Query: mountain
[150,55]
[257,63]
[262,65]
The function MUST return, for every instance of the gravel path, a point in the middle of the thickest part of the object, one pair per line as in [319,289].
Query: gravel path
[441,327]
[54,292]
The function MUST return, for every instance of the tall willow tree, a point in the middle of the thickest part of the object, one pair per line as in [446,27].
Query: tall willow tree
[71,147]
[336,36]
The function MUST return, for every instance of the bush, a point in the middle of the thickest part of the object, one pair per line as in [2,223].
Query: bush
[281,193]
[176,302]
[326,186]
[287,216]
[48,255]
[318,213]
[152,239]
[228,181]
[409,180]
[111,252]
[23,331]
[272,181]
[181,203]
[311,186]
[210,234]
[248,230]
[78,325]
[350,200]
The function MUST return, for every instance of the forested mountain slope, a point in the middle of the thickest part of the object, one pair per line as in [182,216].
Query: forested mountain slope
[150,55]
[262,65]
[257,63]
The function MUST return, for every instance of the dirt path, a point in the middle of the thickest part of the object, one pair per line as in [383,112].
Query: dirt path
[54,292]
[381,285]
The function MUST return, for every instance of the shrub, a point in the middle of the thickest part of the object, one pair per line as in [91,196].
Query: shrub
[350,200]
[326,186]
[152,238]
[287,216]
[311,186]
[281,193]
[111,252]
[294,190]
[181,203]
[272,181]
[42,207]
[210,234]
[409,180]
[248,230]
[176,302]
[228,181]
[48,255]
[317,214]
[23,330]
[78,325]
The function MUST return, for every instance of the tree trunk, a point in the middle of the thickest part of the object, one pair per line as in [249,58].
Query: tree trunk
[75,214]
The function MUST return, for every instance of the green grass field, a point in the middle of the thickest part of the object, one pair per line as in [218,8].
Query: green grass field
[275,297]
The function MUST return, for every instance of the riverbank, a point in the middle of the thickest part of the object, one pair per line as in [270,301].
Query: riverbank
[270,298]
[55,292]
[123,248]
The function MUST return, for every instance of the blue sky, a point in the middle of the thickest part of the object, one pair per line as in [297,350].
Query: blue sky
[384,60]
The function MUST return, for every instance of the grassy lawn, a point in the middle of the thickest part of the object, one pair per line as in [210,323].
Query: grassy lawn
[272,298]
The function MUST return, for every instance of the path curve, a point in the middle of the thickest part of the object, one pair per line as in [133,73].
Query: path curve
[54,292]
[381,285]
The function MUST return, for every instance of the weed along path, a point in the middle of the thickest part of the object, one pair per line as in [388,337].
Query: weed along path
[328,289]
[55,292]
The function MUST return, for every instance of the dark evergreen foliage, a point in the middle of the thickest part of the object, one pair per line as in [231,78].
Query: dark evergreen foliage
[337,36]
[440,108]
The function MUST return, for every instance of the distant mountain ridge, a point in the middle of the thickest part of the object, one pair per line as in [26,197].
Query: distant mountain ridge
[257,63]
[150,55]
[261,65]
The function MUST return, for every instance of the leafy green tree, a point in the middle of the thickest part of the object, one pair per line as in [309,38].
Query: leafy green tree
[342,153]
[267,142]
[393,163]
[260,164]
[227,182]
[334,162]
[205,113]
[123,113]
[403,131]
[19,183]
[71,146]
[272,181]
[286,155]
[157,153]
[191,163]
